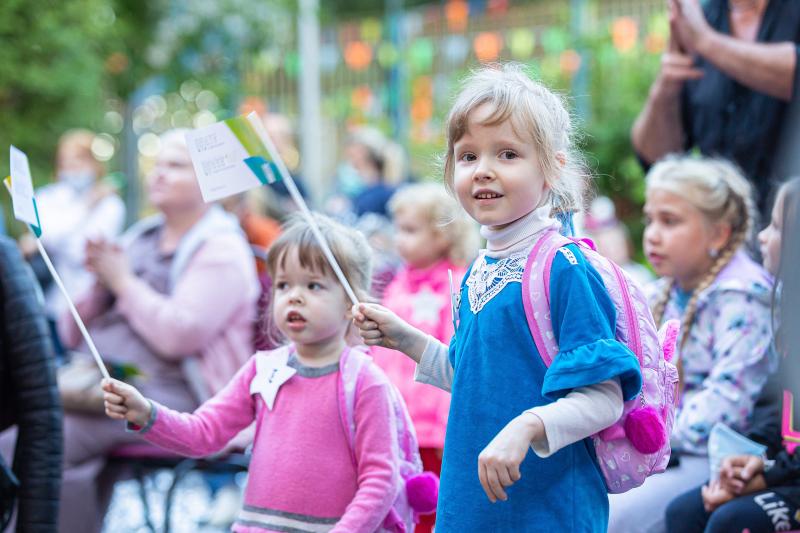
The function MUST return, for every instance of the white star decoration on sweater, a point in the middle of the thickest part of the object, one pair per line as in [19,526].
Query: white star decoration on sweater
[271,373]
[426,306]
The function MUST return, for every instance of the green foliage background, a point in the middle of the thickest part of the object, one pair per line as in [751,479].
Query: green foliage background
[64,64]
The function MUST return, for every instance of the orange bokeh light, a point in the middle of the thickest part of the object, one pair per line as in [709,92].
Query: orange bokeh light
[358,55]
[487,46]
[457,14]
[624,33]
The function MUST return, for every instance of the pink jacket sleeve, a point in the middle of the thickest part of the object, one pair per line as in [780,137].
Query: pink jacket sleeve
[212,425]
[89,305]
[210,290]
[378,477]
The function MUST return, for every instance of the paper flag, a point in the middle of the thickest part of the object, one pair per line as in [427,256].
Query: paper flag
[230,158]
[22,190]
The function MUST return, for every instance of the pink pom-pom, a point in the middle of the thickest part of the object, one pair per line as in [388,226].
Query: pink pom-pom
[423,492]
[645,429]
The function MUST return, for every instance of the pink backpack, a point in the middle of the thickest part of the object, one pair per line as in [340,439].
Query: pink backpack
[637,445]
[419,490]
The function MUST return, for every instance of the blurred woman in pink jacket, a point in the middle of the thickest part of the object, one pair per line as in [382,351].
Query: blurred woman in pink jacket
[176,300]
[432,236]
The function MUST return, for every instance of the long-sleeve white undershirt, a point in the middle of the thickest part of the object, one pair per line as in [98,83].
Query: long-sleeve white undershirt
[581,413]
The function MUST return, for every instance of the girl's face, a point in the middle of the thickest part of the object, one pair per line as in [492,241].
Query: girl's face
[770,237]
[418,242]
[310,308]
[678,238]
[171,183]
[497,175]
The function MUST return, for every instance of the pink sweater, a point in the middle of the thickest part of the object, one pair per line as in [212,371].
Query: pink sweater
[209,313]
[422,298]
[301,473]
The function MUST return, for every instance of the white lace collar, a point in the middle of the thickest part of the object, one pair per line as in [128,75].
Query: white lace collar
[519,235]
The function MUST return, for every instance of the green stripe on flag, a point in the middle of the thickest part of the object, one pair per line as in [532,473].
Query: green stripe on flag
[247,136]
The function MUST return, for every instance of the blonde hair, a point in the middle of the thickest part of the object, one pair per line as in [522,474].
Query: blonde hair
[349,247]
[720,192]
[535,113]
[432,201]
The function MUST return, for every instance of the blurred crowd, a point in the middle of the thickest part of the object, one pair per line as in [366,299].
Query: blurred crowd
[180,300]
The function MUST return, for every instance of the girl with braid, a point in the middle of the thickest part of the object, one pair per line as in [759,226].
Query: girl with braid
[699,215]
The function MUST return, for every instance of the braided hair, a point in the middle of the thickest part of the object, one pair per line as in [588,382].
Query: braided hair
[719,190]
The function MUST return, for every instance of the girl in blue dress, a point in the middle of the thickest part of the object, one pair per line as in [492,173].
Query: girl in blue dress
[510,163]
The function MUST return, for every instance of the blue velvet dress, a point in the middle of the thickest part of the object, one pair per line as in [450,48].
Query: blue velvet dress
[498,374]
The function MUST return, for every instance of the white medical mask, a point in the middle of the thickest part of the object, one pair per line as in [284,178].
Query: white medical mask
[78,180]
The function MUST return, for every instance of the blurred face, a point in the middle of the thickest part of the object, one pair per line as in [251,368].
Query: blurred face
[769,239]
[497,176]
[75,165]
[310,308]
[678,238]
[418,242]
[172,185]
[358,156]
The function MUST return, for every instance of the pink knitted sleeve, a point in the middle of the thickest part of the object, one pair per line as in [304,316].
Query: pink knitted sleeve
[212,425]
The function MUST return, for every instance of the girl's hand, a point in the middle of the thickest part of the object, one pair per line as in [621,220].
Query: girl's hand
[741,474]
[124,402]
[379,326]
[714,495]
[498,463]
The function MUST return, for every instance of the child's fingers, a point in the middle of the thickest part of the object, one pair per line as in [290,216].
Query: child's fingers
[114,414]
[115,386]
[113,398]
[753,466]
[493,478]
[374,312]
[515,474]
[371,334]
[482,476]
[368,325]
[111,408]
[504,475]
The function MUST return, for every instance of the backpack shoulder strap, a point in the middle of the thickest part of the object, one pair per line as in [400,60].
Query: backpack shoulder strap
[352,362]
[535,293]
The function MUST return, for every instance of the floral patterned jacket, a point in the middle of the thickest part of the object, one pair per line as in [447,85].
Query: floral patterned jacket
[728,355]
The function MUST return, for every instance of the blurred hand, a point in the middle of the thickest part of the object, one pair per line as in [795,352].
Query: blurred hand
[677,67]
[498,463]
[742,474]
[27,245]
[715,495]
[689,23]
[124,402]
[109,263]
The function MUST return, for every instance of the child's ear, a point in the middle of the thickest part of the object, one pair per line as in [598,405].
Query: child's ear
[561,157]
[721,236]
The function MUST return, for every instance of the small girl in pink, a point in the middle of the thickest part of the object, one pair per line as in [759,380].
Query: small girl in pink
[432,236]
[303,475]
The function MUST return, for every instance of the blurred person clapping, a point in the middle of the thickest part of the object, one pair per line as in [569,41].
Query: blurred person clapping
[726,81]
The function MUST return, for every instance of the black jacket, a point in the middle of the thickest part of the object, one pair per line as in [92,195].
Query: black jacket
[766,429]
[28,393]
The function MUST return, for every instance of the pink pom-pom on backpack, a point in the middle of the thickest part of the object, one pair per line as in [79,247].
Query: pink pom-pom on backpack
[637,445]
